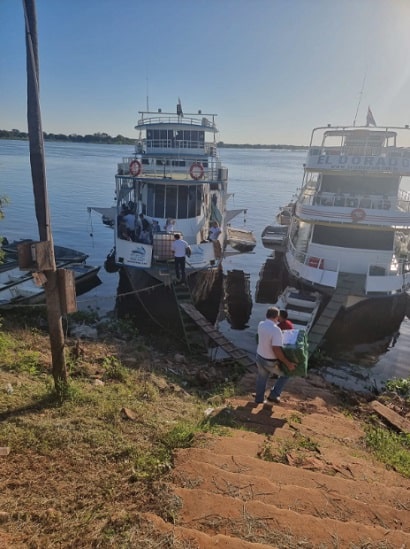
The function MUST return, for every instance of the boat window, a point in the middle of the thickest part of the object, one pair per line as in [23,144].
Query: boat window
[353,238]
[191,200]
[159,200]
[171,193]
[360,183]
[182,202]
[199,198]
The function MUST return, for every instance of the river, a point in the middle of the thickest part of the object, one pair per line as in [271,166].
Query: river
[82,175]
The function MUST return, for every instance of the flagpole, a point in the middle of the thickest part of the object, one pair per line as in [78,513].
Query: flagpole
[360,99]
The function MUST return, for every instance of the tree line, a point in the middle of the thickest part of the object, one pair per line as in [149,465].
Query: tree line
[104,138]
[99,137]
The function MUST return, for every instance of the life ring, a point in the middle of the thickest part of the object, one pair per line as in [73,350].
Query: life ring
[358,214]
[196,170]
[135,168]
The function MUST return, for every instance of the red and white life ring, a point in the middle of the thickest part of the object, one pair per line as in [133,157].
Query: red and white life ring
[196,170]
[135,167]
[358,214]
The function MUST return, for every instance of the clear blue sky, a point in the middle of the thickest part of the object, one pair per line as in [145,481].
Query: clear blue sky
[271,69]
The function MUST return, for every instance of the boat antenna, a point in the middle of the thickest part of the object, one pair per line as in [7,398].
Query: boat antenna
[360,99]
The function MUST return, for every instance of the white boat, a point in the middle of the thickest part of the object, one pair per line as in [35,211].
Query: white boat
[274,237]
[21,287]
[349,231]
[176,181]
[242,240]
[302,307]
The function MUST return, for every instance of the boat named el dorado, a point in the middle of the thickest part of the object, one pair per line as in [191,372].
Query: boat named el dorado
[174,182]
[349,230]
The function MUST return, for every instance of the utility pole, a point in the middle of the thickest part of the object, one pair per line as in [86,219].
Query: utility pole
[38,173]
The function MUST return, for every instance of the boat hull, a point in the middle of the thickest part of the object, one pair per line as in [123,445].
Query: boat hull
[370,320]
[153,305]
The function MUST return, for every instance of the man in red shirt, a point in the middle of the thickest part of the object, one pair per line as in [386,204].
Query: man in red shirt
[284,323]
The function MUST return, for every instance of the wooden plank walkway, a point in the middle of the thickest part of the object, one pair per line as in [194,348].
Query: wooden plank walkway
[215,335]
[346,284]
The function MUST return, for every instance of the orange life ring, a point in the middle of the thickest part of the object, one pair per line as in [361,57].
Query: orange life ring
[358,214]
[196,170]
[135,168]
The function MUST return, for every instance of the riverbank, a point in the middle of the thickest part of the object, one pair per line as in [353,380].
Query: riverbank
[153,448]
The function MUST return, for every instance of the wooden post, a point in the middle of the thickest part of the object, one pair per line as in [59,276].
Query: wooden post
[38,173]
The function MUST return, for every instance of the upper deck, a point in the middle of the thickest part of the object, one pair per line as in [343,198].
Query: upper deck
[193,121]
[363,149]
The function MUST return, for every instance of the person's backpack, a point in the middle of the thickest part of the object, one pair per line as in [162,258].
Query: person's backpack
[188,251]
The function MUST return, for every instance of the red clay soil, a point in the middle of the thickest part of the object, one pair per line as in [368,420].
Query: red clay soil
[288,476]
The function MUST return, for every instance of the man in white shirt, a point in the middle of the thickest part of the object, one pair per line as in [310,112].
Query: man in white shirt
[214,231]
[269,354]
[179,248]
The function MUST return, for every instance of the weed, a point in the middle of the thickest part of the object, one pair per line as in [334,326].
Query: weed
[114,370]
[399,386]
[390,448]
[87,317]
[294,418]
[299,445]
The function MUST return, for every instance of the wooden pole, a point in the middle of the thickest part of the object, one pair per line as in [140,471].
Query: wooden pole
[38,173]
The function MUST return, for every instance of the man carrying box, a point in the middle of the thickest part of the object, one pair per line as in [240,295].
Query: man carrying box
[269,355]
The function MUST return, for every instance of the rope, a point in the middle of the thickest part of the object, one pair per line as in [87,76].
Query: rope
[91,227]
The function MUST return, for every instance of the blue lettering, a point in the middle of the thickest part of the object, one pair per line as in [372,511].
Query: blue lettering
[381,163]
[392,162]
[321,159]
[368,161]
[343,160]
[356,160]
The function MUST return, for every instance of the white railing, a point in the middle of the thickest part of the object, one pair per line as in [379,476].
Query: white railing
[317,270]
[380,279]
[174,119]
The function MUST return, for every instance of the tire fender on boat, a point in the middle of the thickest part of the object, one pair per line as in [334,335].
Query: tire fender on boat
[135,168]
[358,214]
[196,171]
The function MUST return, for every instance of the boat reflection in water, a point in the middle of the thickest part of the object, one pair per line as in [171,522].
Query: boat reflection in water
[237,299]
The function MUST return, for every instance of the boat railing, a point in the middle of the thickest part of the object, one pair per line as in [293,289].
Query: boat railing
[212,170]
[185,120]
[316,269]
[383,278]
[355,200]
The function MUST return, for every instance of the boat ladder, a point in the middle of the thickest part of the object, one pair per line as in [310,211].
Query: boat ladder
[215,335]
[346,284]
[190,330]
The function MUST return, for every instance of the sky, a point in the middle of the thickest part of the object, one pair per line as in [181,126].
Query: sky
[271,69]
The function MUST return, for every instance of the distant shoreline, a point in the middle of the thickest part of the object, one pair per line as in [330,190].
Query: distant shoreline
[105,139]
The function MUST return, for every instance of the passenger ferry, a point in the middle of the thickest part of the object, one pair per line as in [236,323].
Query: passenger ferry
[173,182]
[348,233]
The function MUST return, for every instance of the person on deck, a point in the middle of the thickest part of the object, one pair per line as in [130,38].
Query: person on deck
[214,231]
[269,354]
[179,247]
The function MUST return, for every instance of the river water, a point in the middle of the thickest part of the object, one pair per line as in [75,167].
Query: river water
[82,175]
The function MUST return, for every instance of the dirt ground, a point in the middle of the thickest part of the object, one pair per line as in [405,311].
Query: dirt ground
[323,489]
[293,475]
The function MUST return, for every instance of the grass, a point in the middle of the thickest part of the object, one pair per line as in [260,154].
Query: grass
[84,470]
[389,447]
[298,445]
[80,470]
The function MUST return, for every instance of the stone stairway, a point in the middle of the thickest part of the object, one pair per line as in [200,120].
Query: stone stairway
[296,475]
